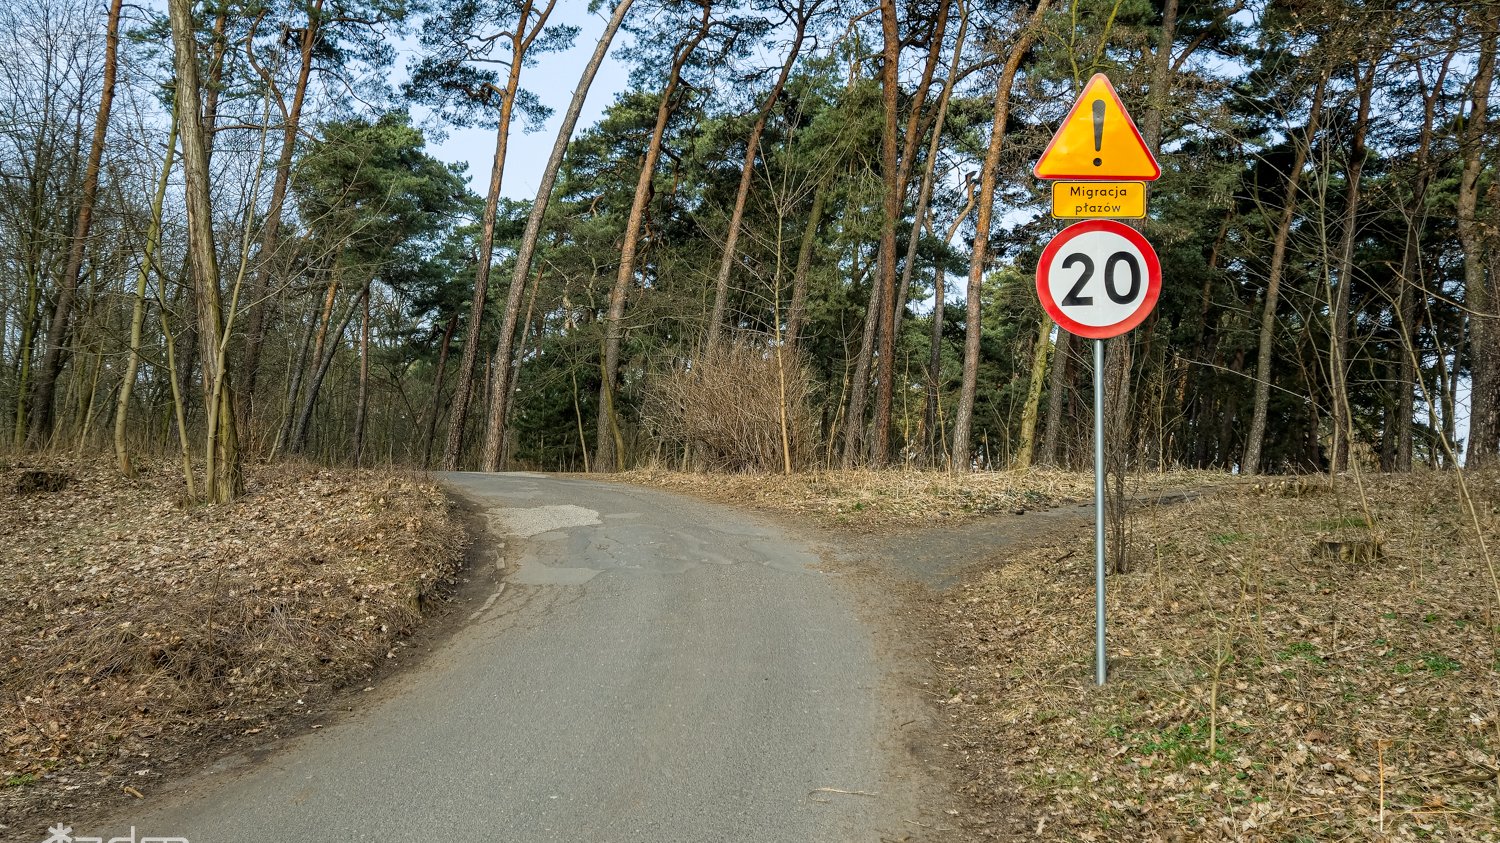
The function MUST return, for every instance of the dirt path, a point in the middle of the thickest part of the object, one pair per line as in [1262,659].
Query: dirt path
[938,557]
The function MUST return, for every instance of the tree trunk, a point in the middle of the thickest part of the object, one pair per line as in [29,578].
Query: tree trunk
[179,402]
[1057,387]
[188,344]
[1256,438]
[963,420]
[45,384]
[935,365]
[894,294]
[499,406]
[797,308]
[318,335]
[34,251]
[222,458]
[215,82]
[1411,295]
[86,425]
[1484,322]
[429,427]
[884,296]
[1338,350]
[520,41]
[30,318]
[513,371]
[322,362]
[1030,409]
[747,172]
[1450,390]
[854,417]
[362,403]
[931,417]
[138,312]
[607,437]
[260,287]
[1202,346]
[924,192]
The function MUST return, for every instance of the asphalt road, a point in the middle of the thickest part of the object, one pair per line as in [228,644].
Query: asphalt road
[654,669]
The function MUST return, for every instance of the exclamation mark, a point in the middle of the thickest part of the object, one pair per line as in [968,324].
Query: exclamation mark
[1098,130]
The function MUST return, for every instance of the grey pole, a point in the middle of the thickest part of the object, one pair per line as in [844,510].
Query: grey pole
[1099,657]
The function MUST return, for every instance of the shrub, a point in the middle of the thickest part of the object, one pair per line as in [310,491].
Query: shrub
[727,407]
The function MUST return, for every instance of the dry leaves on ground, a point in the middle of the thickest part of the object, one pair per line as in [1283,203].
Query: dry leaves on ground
[137,628]
[1281,670]
[902,498]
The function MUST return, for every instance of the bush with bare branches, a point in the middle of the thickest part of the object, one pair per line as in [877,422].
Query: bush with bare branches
[744,405]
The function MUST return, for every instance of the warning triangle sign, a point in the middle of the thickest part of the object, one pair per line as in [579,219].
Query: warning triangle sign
[1098,141]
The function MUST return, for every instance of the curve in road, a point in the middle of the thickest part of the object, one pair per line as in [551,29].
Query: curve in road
[654,669]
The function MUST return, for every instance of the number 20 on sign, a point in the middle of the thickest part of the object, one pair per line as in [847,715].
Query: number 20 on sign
[1098,279]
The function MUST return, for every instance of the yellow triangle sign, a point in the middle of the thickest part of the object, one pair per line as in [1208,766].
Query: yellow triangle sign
[1098,141]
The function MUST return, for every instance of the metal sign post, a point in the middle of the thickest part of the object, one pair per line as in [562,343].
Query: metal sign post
[1100,662]
[1100,278]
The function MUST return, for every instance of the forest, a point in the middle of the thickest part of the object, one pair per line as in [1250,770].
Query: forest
[802,236]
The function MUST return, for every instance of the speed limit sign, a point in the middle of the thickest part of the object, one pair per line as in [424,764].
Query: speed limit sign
[1098,278]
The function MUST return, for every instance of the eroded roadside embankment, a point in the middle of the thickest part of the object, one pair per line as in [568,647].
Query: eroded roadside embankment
[140,632]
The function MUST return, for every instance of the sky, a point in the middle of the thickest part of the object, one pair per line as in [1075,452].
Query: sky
[553,79]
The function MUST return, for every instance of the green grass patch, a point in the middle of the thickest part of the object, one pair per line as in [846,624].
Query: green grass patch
[20,781]
[1433,663]
[1182,745]
[1300,650]
[1439,665]
[1222,539]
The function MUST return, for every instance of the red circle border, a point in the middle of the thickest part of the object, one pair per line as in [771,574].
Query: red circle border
[1100,332]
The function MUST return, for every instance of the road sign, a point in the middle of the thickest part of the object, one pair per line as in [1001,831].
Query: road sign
[1098,141]
[1083,200]
[1098,278]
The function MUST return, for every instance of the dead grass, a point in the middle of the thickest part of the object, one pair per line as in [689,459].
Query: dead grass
[900,498]
[1268,683]
[137,628]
